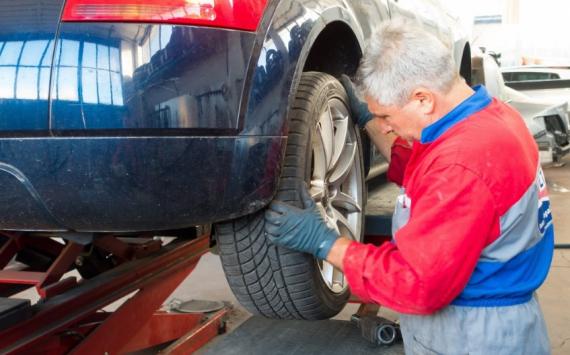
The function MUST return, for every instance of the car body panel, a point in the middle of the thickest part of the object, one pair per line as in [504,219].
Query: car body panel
[548,124]
[535,73]
[553,95]
[138,76]
[547,121]
[536,110]
[134,183]
[434,18]
[540,82]
[274,70]
[531,107]
[27,34]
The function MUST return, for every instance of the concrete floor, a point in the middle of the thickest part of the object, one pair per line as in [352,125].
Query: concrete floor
[554,294]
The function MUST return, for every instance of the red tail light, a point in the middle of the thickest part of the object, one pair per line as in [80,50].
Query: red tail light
[236,14]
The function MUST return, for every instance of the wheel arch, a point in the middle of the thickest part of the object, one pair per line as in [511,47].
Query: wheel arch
[332,36]
[335,51]
[334,46]
[296,53]
[465,65]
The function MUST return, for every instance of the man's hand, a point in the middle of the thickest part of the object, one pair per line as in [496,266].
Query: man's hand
[300,229]
[358,106]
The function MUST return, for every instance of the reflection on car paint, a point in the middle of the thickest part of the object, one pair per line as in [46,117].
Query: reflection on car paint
[160,77]
[26,53]
[275,69]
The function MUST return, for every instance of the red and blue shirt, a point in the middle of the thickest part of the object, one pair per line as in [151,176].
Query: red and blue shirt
[473,224]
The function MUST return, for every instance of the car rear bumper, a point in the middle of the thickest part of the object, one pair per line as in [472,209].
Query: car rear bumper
[125,184]
[144,131]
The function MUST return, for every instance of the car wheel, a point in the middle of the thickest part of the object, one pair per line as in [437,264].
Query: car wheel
[324,150]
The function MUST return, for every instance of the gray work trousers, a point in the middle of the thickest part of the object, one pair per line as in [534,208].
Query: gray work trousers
[458,330]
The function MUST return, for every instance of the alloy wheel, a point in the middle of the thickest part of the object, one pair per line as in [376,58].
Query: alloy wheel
[336,181]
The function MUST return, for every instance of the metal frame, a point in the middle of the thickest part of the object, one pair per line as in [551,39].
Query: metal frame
[73,322]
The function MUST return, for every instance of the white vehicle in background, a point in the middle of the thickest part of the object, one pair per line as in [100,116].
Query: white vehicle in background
[547,120]
[540,82]
[535,73]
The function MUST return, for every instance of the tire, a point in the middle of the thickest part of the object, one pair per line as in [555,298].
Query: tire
[277,282]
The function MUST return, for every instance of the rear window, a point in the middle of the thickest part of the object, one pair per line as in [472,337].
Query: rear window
[530,76]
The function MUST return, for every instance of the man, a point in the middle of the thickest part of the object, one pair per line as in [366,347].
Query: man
[468,250]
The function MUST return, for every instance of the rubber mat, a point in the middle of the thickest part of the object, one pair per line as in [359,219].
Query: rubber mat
[261,336]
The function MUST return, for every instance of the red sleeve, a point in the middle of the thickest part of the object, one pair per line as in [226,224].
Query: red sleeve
[399,157]
[435,253]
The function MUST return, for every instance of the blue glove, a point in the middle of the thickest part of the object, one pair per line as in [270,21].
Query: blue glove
[358,106]
[300,229]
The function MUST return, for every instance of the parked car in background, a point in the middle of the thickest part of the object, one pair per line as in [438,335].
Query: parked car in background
[547,121]
[149,117]
[540,82]
[534,73]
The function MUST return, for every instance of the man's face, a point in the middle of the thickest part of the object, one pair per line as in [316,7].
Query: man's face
[404,121]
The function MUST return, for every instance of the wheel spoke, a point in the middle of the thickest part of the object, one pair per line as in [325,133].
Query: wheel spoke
[348,203]
[331,222]
[340,124]
[338,278]
[342,169]
[343,225]
[323,212]
[328,273]
[320,166]
[325,130]
[317,190]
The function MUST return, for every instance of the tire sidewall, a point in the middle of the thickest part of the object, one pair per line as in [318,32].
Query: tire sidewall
[332,90]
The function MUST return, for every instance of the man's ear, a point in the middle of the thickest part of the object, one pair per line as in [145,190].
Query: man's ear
[424,100]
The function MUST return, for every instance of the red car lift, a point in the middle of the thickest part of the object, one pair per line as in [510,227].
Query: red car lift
[69,320]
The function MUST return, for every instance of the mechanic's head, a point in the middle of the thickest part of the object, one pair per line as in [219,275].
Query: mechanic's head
[405,74]
[401,57]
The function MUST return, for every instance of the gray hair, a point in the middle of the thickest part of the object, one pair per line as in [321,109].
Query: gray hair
[401,57]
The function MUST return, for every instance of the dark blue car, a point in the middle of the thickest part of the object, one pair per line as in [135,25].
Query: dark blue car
[150,117]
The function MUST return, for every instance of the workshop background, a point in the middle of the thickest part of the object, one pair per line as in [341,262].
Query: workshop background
[516,28]
[514,32]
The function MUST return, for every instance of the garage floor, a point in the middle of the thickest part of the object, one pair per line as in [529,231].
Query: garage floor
[554,294]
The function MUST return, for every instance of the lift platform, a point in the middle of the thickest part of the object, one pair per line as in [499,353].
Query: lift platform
[69,319]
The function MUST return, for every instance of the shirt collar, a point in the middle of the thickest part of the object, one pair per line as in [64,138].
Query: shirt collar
[476,102]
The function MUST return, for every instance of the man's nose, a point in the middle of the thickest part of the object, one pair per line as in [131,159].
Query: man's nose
[385,127]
